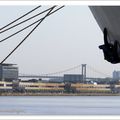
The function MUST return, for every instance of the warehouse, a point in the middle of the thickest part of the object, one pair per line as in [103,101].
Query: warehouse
[73,78]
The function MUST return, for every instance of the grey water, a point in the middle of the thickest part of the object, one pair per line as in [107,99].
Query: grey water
[60,105]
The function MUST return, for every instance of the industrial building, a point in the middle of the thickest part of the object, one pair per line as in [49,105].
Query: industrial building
[8,72]
[116,75]
[73,78]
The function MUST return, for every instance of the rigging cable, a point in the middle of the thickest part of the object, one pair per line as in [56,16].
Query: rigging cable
[28,34]
[20,17]
[25,20]
[28,25]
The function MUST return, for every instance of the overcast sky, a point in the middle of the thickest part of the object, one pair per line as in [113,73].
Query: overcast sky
[68,38]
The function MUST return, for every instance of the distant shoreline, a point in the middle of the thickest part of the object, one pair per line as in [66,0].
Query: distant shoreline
[58,94]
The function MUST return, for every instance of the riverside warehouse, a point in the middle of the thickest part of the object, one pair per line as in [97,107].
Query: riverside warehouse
[8,72]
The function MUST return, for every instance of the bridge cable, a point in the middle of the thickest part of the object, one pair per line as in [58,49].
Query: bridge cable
[20,17]
[58,72]
[62,71]
[27,35]
[96,71]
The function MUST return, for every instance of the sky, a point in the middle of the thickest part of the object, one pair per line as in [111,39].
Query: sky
[68,38]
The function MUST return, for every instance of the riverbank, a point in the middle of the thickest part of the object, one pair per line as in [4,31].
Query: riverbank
[59,94]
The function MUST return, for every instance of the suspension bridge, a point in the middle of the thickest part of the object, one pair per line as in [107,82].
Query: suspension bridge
[86,71]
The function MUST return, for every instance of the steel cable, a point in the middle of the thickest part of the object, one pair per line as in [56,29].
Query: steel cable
[29,33]
[20,17]
[25,20]
[29,25]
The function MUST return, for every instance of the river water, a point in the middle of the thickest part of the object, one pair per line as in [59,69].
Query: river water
[60,105]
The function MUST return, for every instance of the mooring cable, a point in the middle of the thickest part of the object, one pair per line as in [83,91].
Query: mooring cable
[28,26]
[20,17]
[27,35]
[25,20]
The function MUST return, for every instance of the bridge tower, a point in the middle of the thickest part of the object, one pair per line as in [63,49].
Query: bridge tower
[83,73]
